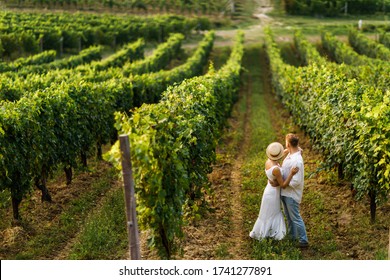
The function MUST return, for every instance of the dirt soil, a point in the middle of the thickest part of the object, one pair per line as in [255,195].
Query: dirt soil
[39,217]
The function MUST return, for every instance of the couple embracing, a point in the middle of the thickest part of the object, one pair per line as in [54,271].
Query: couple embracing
[285,184]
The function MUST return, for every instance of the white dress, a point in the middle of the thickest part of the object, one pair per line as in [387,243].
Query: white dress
[270,222]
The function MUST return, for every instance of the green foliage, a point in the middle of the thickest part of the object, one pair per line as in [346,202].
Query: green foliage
[51,127]
[366,74]
[22,42]
[373,143]
[41,58]
[173,145]
[85,56]
[368,71]
[129,53]
[32,78]
[75,30]
[384,38]
[205,7]
[368,47]
[14,85]
[158,60]
[336,7]
[307,51]
[44,57]
[147,88]
[343,53]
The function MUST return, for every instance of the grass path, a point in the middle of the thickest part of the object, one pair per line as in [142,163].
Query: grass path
[46,228]
[236,177]
[263,131]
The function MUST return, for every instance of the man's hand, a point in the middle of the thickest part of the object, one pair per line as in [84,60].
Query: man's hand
[294,170]
[273,183]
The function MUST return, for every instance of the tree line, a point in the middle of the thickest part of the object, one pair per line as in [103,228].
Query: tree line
[336,7]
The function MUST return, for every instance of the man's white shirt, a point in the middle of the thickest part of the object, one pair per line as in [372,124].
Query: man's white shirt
[295,188]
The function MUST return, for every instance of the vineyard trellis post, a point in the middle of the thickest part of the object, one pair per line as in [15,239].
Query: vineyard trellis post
[129,193]
[61,41]
[79,44]
[41,44]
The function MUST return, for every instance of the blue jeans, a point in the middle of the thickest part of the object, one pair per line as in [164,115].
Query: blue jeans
[296,226]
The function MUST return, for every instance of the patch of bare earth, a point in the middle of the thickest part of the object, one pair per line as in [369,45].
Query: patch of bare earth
[263,8]
[37,216]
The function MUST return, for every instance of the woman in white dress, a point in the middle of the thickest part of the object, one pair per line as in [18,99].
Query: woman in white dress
[270,222]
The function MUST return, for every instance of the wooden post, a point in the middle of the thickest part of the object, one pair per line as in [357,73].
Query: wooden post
[61,46]
[41,44]
[114,43]
[132,226]
[79,44]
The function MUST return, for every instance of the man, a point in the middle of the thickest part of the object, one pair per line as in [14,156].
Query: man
[291,195]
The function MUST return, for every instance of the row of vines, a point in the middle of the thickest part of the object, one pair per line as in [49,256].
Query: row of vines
[173,148]
[30,33]
[23,80]
[57,117]
[145,6]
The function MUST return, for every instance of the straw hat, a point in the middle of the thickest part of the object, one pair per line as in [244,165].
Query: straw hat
[275,151]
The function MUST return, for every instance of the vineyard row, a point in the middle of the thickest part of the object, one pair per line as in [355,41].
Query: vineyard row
[34,32]
[51,128]
[173,147]
[15,85]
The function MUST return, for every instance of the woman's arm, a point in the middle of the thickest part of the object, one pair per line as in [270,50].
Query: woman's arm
[278,174]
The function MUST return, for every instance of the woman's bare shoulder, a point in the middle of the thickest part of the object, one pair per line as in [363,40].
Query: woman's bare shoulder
[276,170]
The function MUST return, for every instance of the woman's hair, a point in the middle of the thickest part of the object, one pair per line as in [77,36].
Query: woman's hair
[292,139]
